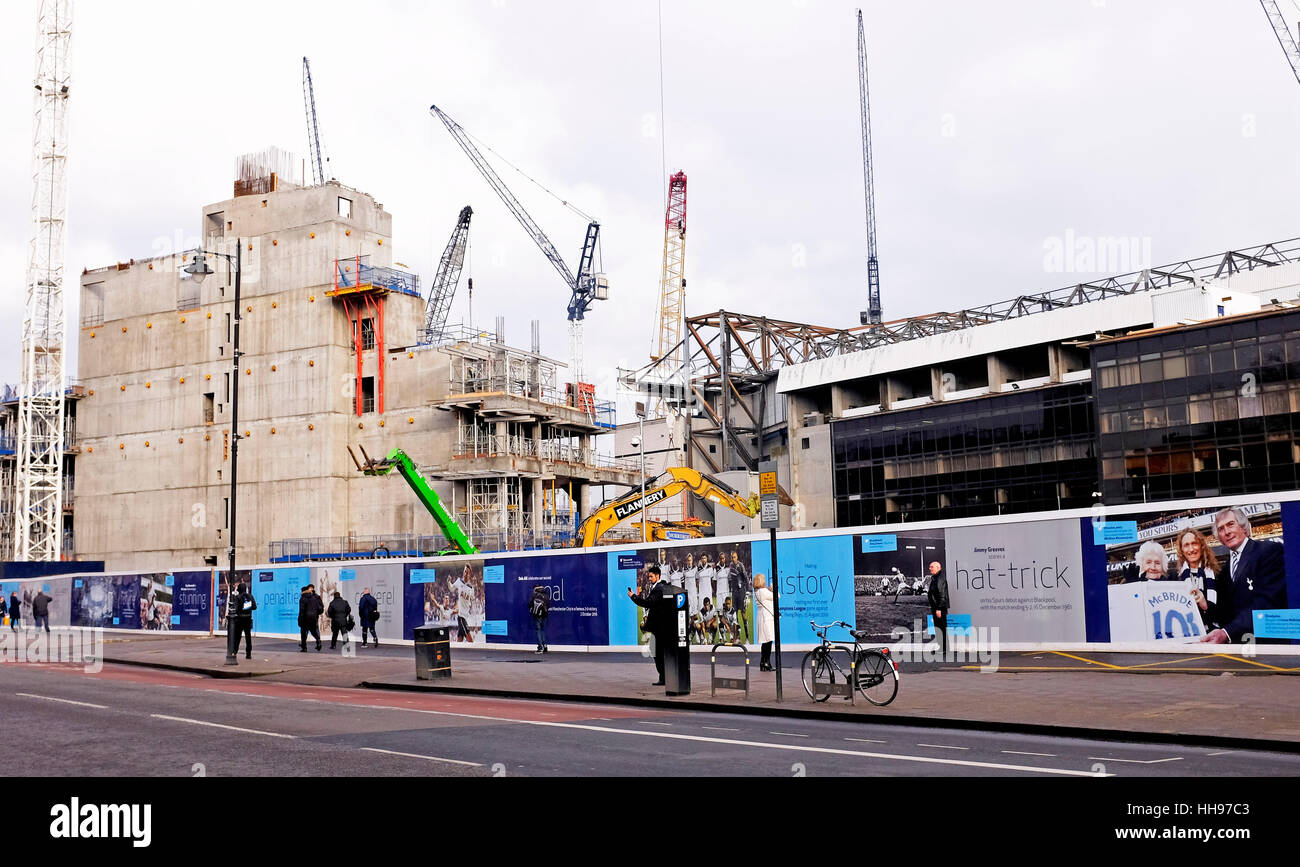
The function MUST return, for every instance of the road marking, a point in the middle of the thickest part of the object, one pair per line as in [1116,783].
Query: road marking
[788,734]
[1252,662]
[418,756]
[1219,753]
[866,741]
[199,722]
[1135,761]
[719,729]
[942,747]
[1085,659]
[761,745]
[63,700]
[646,722]
[1022,753]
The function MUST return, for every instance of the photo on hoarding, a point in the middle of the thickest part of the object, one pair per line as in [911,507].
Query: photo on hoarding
[1209,575]
[155,602]
[718,580]
[891,579]
[451,595]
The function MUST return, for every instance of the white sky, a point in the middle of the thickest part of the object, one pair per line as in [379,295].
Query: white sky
[998,127]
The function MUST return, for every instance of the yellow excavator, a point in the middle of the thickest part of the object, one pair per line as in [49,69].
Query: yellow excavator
[670,482]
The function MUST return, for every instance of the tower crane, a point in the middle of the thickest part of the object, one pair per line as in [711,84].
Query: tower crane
[1283,33]
[586,286]
[672,288]
[318,158]
[873,314]
[448,276]
[38,513]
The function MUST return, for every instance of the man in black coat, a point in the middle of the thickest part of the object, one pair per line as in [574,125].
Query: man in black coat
[655,623]
[339,613]
[367,614]
[1255,579]
[239,619]
[309,612]
[938,597]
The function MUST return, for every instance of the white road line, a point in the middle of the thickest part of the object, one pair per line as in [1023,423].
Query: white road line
[865,741]
[418,756]
[63,700]
[1219,753]
[942,747]
[199,722]
[1023,753]
[646,722]
[1135,761]
[788,734]
[761,745]
[719,729]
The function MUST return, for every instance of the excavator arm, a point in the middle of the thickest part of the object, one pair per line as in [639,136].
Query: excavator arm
[400,461]
[671,482]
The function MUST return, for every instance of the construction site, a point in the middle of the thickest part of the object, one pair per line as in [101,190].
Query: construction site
[293,337]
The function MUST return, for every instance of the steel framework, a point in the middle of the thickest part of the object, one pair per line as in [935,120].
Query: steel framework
[443,288]
[672,286]
[1283,33]
[313,128]
[38,514]
[873,313]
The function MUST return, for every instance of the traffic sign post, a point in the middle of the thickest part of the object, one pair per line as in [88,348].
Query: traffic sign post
[769,514]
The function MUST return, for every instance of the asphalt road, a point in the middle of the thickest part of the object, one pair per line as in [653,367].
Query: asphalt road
[143,722]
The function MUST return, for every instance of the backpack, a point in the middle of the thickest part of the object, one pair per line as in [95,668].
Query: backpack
[538,608]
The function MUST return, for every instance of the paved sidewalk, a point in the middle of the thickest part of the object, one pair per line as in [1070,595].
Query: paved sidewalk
[1214,700]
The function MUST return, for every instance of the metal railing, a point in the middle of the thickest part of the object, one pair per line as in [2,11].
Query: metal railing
[355,547]
[357,271]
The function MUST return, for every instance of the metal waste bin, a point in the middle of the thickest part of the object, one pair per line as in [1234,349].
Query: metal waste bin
[432,652]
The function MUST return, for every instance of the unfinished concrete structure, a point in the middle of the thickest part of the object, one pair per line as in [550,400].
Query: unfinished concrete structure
[73,392]
[330,358]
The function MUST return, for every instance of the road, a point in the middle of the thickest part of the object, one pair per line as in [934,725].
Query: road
[143,722]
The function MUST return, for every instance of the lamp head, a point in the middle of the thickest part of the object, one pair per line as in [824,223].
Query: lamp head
[197,267]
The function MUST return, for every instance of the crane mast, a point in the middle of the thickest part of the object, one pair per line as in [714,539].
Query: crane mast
[873,314]
[1283,33]
[672,287]
[447,278]
[313,128]
[586,286]
[38,513]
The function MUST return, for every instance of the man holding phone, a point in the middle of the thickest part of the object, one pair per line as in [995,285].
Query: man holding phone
[658,631]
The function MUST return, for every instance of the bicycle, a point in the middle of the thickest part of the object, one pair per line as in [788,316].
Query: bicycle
[870,668]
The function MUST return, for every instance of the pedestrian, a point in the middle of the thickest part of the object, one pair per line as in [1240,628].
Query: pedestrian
[655,624]
[765,621]
[540,608]
[41,610]
[340,614]
[309,612]
[938,598]
[368,611]
[15,611]
[239,614]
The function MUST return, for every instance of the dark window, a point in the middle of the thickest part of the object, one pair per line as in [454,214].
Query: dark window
[805,442]
[367,394]
[208,399]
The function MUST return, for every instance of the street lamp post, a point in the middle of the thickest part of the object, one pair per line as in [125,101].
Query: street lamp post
[198,269]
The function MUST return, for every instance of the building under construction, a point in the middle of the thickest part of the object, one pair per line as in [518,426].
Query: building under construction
[333,354]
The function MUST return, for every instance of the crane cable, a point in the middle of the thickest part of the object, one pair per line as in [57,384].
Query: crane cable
[572,207]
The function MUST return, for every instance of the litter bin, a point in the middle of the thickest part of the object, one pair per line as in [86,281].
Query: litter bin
[677,655]
[432,652]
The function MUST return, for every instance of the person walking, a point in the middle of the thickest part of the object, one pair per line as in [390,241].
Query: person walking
[15,611]
[539,606]
[41,610]
[340,613]
[764,620]
[660,631]
[938,598]
[309,612]
[239,620]
[368,612]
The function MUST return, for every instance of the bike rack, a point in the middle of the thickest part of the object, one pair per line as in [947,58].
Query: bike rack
[715,682]
[849,687]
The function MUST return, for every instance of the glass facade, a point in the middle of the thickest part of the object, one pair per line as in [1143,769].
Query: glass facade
[1201,411]
[1019,452]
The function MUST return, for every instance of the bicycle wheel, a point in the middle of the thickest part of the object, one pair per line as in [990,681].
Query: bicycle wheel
[877,677]
[816,669]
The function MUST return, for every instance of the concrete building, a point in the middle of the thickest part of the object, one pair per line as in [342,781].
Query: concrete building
[331,358]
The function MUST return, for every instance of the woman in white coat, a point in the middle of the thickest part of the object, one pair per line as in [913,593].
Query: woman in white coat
[766,624]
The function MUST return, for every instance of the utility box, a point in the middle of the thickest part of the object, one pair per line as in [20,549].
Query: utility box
[432,652]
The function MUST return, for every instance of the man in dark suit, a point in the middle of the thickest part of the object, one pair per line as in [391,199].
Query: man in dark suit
[938,599]
[1255,579]
[654,624]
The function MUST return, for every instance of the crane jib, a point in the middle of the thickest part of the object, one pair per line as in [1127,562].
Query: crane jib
[622,511]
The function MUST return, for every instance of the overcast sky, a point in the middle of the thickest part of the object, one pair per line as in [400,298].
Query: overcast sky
[1000,129]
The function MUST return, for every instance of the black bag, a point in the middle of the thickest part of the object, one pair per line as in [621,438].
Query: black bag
[374,616]
[351,624]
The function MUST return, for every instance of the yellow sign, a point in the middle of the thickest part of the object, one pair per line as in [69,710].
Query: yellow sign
[767,483]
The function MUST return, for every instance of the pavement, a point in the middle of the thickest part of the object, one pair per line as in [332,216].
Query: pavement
[1209,699]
